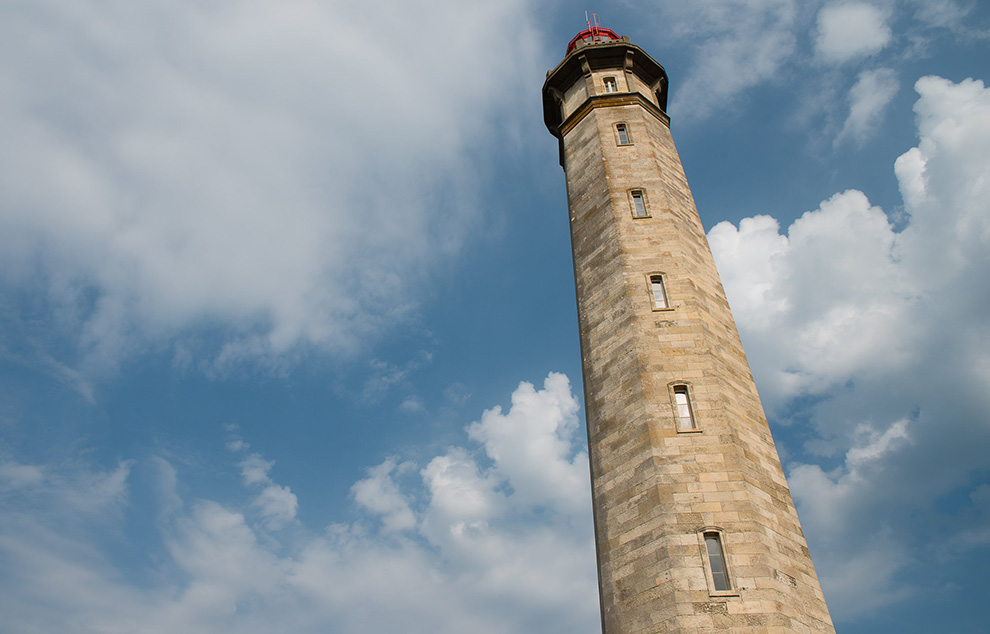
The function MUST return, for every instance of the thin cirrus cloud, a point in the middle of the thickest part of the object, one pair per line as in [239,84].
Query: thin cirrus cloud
[223,164]
[445,548]
[743,44]
[868,102]
[736,46]
[847,309]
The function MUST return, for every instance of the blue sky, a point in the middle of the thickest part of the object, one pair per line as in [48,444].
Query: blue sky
[287,326]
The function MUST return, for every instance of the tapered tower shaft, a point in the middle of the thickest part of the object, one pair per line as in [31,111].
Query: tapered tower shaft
[695,527]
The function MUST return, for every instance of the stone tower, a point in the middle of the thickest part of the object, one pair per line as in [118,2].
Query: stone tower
[695,527]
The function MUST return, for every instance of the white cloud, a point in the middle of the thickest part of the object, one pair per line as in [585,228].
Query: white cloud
[20,476]
[254,469]
[868,101]
[948,168]
[856,577]
[888,331]
[851,30]
[750,260]
[165,480]
[530,444]
[822,493]
[379,494]
[462,501]
[412,405]
[237,445]
[277,504]
[462,551]
[830,288]
[743,43]
[76,491]
[948,14]
[290,171]
[222,554]
[878,445]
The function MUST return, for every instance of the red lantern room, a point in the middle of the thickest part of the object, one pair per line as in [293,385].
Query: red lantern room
[594,33]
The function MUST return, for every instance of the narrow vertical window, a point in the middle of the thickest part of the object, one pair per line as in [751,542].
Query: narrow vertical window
[623,134]
[639,204]
[685,414]
[658,291]
[716,561]
[610,85]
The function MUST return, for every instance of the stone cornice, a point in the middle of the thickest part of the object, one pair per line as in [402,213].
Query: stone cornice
[609,100]
[579,64]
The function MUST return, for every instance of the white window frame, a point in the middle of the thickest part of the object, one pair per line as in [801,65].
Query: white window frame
[611,85]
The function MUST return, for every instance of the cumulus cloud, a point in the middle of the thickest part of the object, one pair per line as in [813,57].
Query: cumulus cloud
[541,425]
[379,494]
[832,282]
[244,166]
[462,499]
[868,101]
[225,562]
[887,331]
[254,469]
[277,504]
[470,542]
[851,30]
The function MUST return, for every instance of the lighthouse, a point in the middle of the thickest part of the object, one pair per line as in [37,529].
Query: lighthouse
[695,527]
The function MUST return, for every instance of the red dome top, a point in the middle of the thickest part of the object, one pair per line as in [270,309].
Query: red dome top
[593,34]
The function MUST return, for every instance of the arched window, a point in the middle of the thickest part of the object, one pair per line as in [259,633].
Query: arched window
[622,130]
[639,209]
[658,292]
[685,413]
[717,568]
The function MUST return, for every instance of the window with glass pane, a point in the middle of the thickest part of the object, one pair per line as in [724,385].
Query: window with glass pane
[685,415]
[716,560]
[623,134]
[639,204]
[610,84]
[659,293]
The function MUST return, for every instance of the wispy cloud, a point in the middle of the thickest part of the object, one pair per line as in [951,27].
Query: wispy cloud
[443,547]
[288,173]
[868,101]
[736,45]
[846,309]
